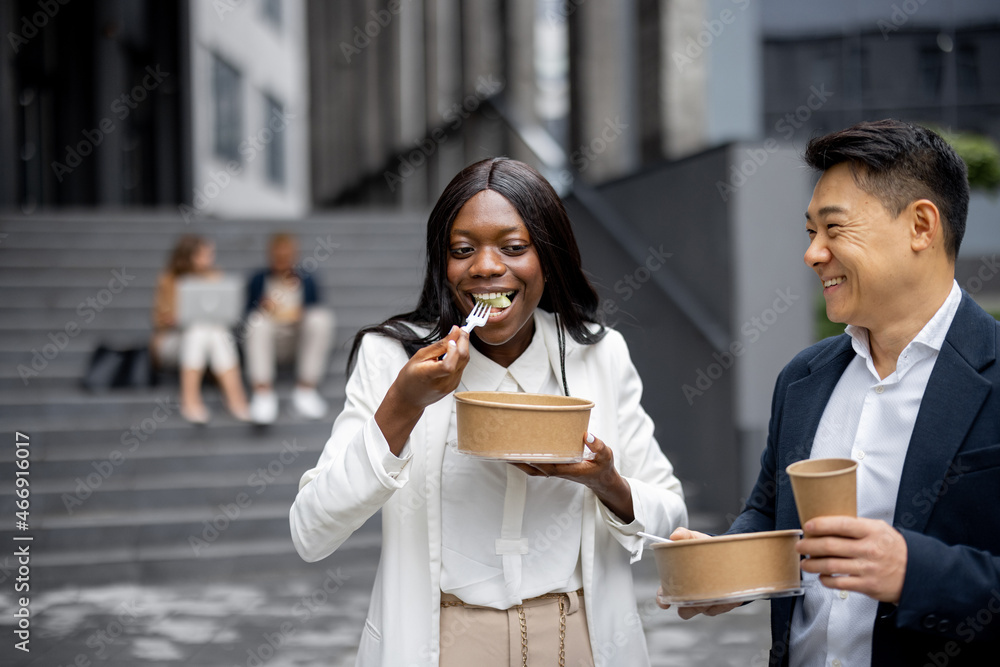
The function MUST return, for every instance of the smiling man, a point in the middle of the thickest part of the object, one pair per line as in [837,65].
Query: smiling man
[911,392]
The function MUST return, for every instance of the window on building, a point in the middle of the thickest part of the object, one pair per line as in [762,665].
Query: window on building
[226,91]
[823,67]
[931,66]
[968,69]
[274,122]
[856,72]
[271,9]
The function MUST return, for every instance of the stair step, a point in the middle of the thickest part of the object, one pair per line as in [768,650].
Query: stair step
[369,270]
[19,319]
[225,561]
[81,500]
[96,439]
[345,237]
[168,223]
[141,297]
[180,539]
[127,262]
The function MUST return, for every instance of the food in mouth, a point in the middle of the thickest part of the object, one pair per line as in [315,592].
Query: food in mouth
[495,300]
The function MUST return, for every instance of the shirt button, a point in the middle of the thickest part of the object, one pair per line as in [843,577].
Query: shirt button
[835,663]
[860,456]
[879,389]
[843,595]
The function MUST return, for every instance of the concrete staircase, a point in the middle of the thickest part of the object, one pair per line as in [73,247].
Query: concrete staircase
[121,487]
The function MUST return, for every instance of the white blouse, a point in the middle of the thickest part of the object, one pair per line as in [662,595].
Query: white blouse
[494,553]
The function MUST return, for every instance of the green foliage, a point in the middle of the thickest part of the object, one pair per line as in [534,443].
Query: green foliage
[824,327]
[982,157]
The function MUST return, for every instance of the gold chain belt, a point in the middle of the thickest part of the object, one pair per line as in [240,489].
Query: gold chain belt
[561,597]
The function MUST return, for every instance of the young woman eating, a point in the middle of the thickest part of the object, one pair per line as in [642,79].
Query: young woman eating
[490,563]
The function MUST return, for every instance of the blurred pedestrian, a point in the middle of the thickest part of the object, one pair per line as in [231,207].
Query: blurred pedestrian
[285,322]
[196,345]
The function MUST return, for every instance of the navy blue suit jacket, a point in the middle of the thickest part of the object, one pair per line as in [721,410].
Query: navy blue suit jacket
[947,509]
[255,289]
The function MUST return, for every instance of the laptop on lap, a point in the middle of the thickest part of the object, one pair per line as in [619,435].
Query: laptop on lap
[209,301]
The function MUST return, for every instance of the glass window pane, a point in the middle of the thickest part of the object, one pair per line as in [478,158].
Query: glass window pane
[275,125]
[226,87]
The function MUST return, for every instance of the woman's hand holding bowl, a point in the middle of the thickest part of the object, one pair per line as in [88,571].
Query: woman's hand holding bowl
[598,474]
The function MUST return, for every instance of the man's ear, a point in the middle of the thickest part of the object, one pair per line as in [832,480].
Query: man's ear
[925,225]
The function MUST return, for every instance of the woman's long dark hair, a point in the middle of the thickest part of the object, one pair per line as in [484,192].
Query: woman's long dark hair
[568,294]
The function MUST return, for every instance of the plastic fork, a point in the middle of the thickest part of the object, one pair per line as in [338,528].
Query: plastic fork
[653,538]
[477,317]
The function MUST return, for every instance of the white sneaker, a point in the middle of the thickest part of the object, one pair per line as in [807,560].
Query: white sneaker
[264,407]
[308,403]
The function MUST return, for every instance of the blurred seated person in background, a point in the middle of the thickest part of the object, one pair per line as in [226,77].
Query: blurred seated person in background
[198,344]
[286,322]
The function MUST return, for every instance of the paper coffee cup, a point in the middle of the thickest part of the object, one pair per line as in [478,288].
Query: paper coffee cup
[824,487]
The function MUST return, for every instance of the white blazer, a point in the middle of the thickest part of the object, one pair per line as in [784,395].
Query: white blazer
[350,483]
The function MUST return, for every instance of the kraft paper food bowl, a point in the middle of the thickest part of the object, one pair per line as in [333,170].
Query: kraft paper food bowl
[522,427]
[824,487]
[729,568]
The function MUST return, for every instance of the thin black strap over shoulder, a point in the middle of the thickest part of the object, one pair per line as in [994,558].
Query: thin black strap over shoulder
[561,337]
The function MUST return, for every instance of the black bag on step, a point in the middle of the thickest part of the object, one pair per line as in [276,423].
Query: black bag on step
[115,369]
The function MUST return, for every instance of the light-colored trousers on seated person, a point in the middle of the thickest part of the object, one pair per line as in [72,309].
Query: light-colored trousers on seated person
[308,342]
[486,637]
[197,346]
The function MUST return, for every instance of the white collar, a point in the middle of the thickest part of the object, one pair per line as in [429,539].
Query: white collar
[530,370]
[927,342]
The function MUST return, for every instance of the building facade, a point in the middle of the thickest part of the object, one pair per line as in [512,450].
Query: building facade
[132,103]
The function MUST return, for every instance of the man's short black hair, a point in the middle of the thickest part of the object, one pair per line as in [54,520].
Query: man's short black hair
[898,163]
